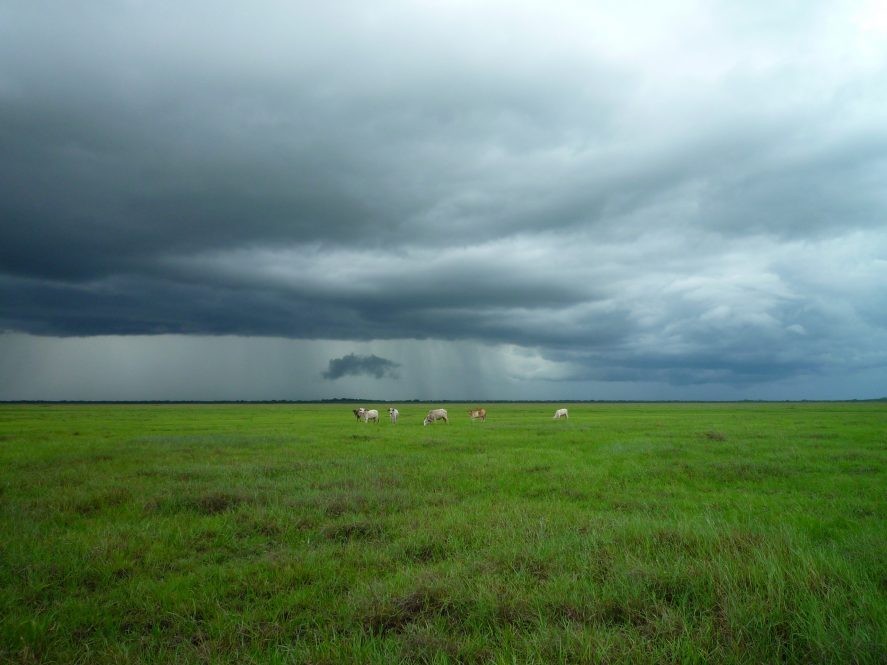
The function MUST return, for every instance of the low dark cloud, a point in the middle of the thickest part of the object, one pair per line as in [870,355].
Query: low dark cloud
[708,208]
[354,365]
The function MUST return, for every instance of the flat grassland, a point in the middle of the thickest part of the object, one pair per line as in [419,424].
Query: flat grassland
[631,533]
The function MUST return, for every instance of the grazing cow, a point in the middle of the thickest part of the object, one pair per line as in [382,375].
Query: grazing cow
[561,413]
[478,414]
[393,414]
[358,413]
[436,414]
[372,414]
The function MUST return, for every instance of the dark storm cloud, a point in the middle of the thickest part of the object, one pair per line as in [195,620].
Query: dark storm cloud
[634,199]
[354,365]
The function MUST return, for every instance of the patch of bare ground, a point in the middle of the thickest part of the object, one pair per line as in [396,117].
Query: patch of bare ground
[431,551]
[526,564]
[517,612]
[354,530]
[211,502]
[422,644]
[395,614]
[101,501]
[741,542]
[735,471]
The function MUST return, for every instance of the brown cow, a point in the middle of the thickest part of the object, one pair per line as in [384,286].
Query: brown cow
[477,414]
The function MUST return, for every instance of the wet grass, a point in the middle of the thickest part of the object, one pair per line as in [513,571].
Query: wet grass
[731,533]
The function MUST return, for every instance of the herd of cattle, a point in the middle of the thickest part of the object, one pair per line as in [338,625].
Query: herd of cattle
[366,415]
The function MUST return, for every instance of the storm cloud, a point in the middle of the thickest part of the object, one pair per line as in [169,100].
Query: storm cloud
[685,195]
[354,365]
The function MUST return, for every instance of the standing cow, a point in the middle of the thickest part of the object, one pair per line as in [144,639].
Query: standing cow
[478,414]
[561,413]
[358,413]
[393,414]
[436,414]
[372,414]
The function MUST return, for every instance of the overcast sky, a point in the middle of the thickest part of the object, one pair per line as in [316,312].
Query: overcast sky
[447,199]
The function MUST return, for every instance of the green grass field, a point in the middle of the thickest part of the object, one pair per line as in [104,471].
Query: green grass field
[645,533]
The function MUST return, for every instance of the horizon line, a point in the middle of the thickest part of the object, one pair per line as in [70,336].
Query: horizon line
[355,400]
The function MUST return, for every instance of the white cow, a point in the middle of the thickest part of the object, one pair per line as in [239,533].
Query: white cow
[372,414]
[561,413]
[436,414]
[393,414]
